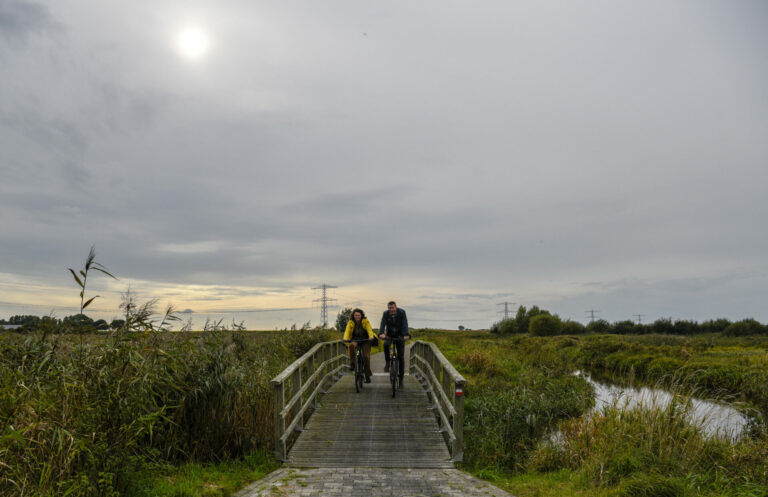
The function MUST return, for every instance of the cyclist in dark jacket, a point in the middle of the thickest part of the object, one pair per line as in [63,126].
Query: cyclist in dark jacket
[394,324]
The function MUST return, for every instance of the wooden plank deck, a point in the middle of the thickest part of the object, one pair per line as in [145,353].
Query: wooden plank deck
[370,428]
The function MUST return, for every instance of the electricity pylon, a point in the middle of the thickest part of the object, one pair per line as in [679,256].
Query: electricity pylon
[324,303]
[506,308]
[592,314]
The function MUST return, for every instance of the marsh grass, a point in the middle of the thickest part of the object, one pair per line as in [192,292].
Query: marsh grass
[614,443]
[521,392]
[159,413]
[651,450]
[713,364]
[509,407]
[79,420]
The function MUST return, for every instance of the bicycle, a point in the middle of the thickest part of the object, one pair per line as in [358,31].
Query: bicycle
[394,366]
[359,364]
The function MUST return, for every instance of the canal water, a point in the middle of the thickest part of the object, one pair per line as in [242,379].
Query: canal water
[714,418]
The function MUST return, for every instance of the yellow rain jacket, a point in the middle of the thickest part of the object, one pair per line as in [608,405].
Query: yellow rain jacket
[351,327]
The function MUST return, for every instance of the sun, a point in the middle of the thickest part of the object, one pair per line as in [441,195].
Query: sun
[193,43]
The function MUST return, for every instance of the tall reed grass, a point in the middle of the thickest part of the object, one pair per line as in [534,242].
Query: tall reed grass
[78,419]
[503,425]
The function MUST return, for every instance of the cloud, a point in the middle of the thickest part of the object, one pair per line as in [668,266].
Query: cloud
[19,20]
[191,248]
[451,159]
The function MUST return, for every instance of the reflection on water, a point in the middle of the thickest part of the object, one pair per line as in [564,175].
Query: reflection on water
[714,418]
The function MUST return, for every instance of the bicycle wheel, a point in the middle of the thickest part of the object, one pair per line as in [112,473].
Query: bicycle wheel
[393,374]
[359,373]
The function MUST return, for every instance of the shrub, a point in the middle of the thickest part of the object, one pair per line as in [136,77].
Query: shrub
[745,327]
[625,327]
[683,327]
[662,326]
[545,325]
[642,329]
[78,323]
[342,318]
[573,328]
[714,326]
[505,327]
[522,318]
[600,326]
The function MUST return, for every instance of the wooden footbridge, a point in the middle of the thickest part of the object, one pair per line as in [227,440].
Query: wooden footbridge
[321,422]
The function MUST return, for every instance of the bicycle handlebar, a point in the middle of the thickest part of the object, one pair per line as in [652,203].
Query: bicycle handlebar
[357,341]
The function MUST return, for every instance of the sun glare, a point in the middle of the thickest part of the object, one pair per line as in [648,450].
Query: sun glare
[192,43]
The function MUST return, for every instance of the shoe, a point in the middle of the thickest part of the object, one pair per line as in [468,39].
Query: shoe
[386,368]
[367,379]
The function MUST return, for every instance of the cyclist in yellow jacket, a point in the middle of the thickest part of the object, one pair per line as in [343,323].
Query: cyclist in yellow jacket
[359,328]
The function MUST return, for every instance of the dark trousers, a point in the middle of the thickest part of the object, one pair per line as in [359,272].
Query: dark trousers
[400,354]
[366,356]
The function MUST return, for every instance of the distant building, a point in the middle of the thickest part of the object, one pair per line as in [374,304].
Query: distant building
[10,326]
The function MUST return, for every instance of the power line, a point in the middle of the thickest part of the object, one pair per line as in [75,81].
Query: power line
[639,318]
[324,302]
[478,320]
[591,313]
[506,308]
[247,310]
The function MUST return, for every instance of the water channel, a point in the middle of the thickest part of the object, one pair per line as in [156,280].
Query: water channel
[714,418]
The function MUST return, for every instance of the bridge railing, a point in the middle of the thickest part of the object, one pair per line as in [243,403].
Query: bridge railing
[297,388]
[445,390]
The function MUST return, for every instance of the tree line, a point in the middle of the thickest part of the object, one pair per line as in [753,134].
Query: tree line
[75,322]
[541,322]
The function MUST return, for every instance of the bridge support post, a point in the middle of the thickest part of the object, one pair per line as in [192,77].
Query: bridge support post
[458,421]
[296,382]
[279,421]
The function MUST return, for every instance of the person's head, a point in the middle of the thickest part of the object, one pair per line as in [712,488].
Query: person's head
[392,307]
[358,315]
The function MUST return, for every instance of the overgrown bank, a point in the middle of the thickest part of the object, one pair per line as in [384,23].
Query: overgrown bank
[521,391]
[714,365]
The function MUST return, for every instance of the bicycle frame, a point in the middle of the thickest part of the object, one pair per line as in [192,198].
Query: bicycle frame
[359,363]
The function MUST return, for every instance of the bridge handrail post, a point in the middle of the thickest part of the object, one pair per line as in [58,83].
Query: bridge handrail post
[317,373]
[296,384]
[279,420]
[458,419]
[443,376]
[311,367]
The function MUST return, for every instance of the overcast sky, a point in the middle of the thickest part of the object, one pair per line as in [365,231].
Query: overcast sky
[230,156]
